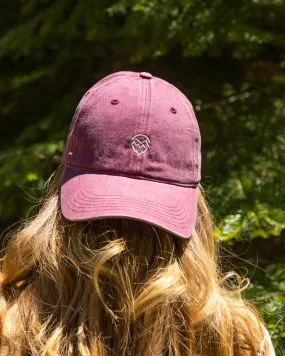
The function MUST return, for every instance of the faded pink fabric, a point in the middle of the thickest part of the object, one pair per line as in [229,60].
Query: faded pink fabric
[133,151]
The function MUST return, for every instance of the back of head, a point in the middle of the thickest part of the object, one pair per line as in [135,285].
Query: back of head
[120,287]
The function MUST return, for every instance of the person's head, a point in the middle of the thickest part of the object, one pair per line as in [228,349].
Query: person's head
[123,284]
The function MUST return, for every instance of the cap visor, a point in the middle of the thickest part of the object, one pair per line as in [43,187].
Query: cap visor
[88,196]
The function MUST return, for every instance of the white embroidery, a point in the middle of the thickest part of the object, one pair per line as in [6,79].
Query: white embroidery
[140,144]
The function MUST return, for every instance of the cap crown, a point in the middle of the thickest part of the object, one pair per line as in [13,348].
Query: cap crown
[136,125]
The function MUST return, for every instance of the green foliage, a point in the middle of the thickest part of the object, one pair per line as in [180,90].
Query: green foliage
[267,291]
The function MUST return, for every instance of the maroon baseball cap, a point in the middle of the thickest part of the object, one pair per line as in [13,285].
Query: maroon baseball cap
[133,151]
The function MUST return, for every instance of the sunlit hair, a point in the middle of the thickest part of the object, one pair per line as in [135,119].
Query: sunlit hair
[121,287]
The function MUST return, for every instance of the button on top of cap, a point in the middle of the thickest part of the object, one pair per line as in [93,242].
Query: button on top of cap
[145,75]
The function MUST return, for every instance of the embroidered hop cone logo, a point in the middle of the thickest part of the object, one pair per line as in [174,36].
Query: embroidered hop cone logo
[140,144]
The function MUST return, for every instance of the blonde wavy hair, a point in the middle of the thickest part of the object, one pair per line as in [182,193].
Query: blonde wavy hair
[121,287]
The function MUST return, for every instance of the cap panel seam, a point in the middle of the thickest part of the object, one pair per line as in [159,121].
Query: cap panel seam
[138,171]
[147,116]
[134,165]
[198,157]
[139,159]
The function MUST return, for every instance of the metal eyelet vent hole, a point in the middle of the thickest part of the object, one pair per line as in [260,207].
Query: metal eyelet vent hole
[173,110]
[115,101]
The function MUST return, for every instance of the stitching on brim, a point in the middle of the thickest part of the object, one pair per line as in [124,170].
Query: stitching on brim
[171,207]
[153,213]
[126,205]
[133,199]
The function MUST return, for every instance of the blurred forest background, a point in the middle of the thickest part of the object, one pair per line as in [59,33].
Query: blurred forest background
[228,58]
